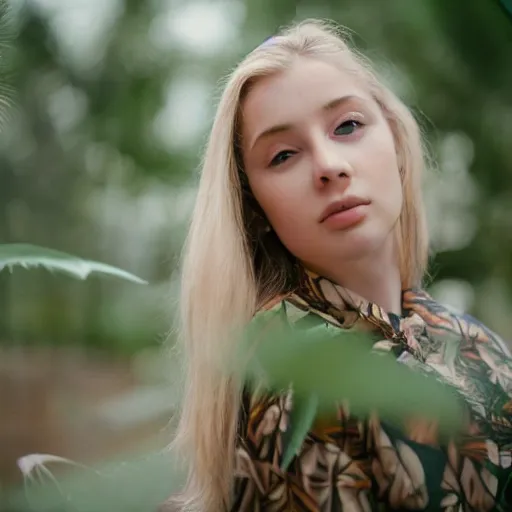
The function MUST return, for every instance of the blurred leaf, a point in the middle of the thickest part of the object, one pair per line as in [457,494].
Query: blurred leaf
[507,5]
[146,475]
[336,365]
[301,418]
[7,91]
[29,256]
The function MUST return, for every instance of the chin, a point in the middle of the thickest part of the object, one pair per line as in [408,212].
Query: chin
[362,243]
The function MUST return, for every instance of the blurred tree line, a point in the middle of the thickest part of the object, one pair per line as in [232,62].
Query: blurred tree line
[114,101]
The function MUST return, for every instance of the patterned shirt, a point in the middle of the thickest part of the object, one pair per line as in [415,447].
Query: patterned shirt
[365,464]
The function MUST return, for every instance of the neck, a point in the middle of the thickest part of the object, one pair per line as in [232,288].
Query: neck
[376,278]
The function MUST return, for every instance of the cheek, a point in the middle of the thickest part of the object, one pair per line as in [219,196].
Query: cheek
[387,181]
[288,208]
[390,187]
[280,199]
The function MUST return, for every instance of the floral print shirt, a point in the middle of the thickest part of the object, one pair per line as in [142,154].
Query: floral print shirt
[364,464]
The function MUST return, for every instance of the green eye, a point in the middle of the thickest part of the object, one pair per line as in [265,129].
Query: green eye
[280,158]
[348,127]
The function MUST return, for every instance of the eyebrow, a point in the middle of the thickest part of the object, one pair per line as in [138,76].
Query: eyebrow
[328,107]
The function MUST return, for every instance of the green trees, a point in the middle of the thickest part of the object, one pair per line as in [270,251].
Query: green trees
[114,102]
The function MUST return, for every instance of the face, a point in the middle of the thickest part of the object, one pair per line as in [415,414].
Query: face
[321,162]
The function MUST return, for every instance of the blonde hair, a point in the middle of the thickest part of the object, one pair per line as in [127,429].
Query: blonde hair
[229,271]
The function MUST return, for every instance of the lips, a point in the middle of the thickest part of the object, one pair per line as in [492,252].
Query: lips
[343,205]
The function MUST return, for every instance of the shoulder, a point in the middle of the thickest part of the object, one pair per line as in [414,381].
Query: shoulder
[476,330]
[444,319]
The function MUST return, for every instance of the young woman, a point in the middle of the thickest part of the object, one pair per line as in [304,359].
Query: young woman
[310,204]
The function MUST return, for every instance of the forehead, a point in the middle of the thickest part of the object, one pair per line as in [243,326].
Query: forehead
[302,89]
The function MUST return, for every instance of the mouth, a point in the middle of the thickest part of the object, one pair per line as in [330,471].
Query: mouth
[343,205]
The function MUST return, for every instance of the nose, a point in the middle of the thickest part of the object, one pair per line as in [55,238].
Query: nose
[329,165]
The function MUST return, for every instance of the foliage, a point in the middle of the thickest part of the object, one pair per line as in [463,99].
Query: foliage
[137,481]
[84,167]
[30,256]
[325,365]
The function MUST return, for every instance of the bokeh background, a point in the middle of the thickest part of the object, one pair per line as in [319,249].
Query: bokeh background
[100,157]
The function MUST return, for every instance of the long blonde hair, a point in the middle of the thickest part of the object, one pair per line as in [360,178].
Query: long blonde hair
[229,270]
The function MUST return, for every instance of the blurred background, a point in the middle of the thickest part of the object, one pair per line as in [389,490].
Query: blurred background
[114,99]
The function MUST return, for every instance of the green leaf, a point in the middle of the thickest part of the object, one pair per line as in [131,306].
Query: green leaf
[31,256]
[302,417]
[337,365]
[147,475]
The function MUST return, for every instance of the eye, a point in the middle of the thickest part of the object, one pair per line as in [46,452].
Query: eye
[348,127]
[280,158]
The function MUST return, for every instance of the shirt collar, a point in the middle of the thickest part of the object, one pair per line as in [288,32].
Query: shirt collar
[324,295]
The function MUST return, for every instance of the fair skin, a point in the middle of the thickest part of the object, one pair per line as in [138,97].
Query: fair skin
[328,141]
